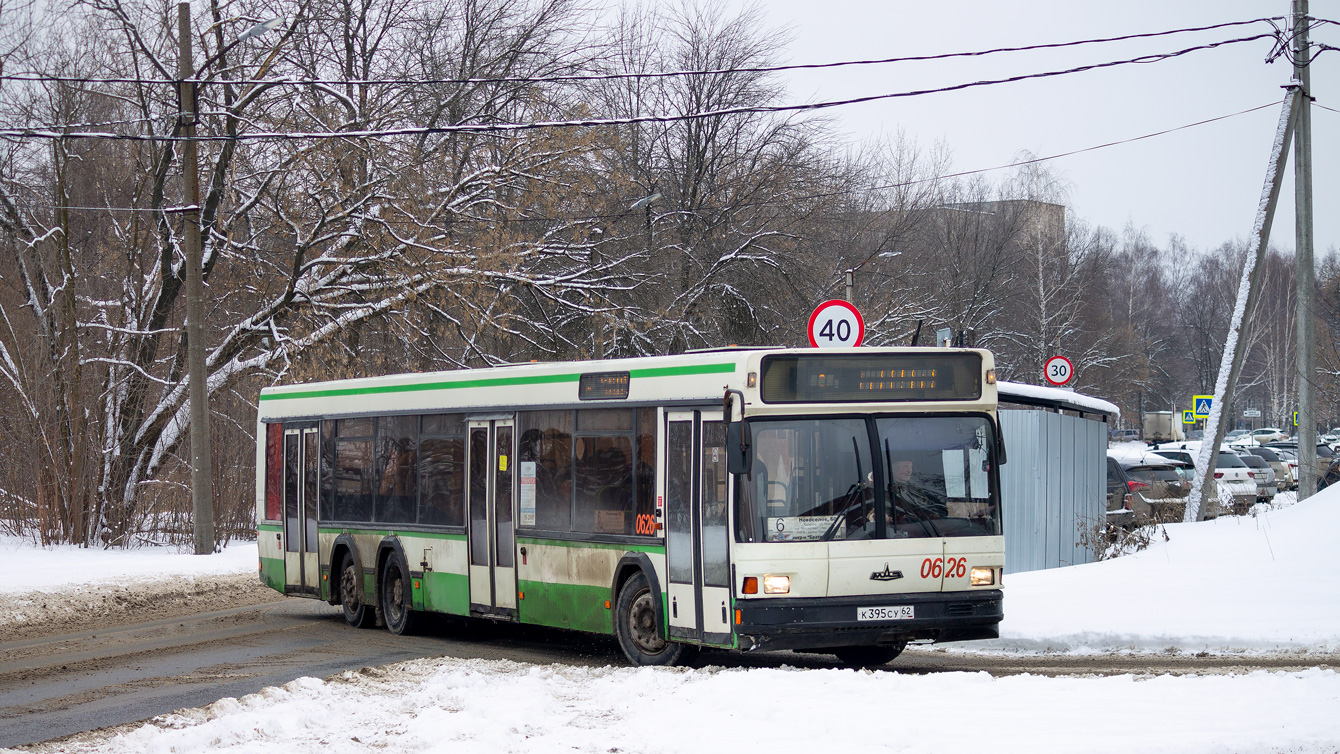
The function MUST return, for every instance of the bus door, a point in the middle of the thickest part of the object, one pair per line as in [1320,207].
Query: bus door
[302,572]
[491,461]
[697,533]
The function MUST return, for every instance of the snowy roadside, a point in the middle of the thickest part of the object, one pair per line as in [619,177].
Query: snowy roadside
[67,589]
[486,706]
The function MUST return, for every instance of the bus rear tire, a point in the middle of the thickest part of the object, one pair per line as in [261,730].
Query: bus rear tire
[356,613]
[637,628]
[868,657]
[397,609]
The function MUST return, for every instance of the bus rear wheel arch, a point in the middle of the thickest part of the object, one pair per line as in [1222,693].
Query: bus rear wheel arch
[638,628]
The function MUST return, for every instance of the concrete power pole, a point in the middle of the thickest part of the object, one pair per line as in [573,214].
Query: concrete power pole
[1306,272]
[202,493]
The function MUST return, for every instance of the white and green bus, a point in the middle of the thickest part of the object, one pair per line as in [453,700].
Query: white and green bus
[838,501]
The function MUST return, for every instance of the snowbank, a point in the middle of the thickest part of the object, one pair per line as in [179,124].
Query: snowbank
[1263,582]
[464,706]
[29,568]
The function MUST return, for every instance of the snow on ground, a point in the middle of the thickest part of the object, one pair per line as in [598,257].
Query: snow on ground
[29,568]
[1262,582]
[1252,583]
[468,706]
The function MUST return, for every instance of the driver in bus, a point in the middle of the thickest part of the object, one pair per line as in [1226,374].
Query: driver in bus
[908,500]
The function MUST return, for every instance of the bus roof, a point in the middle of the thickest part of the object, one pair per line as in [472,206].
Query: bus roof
[697,377]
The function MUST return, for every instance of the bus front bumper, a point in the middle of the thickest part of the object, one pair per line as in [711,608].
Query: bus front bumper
[830,622]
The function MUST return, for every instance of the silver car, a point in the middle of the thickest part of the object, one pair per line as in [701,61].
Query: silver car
[1266,489]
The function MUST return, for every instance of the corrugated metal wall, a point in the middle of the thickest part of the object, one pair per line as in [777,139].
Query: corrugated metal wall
[1055,477]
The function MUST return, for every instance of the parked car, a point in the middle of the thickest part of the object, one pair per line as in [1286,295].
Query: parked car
[1234,434]
[1125,435]
[1266,488]
[1268,434]
[1290,458]
[1284,476]
[1232,478]
[1324,454]
[1332,474]
[1147,485]
[1196,434]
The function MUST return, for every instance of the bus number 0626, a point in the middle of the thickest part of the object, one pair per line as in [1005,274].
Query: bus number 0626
[934,568]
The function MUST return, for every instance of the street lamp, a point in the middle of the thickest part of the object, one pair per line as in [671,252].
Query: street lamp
[202,493]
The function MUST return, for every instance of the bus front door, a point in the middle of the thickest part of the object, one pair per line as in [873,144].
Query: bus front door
[302,571]
[697,534]
[491,461]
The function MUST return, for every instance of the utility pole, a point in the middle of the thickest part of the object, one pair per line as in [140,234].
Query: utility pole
[850,279]
[1306,272]
[1230,366]
[202,493]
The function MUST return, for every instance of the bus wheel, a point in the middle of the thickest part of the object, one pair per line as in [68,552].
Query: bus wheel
[395,597]
[637,629]
[356,613]
[868,657]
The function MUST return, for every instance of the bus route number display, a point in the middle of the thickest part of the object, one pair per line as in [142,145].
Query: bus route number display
[836,324]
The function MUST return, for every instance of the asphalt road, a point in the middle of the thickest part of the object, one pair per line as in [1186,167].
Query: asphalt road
[58,685]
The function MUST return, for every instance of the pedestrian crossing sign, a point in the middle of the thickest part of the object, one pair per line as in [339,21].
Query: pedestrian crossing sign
[1188,416]
[1201,405]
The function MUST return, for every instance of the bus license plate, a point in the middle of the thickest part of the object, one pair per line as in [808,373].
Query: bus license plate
[898,612]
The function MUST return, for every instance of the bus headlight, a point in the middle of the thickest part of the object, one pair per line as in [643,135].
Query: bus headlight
[776,584]
[983,576]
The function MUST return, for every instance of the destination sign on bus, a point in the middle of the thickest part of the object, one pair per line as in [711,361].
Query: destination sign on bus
[875,378]
[603,386]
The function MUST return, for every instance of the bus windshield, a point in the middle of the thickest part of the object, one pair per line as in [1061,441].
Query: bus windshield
[889,477]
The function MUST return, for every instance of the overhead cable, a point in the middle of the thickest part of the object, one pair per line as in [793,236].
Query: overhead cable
[40,133]
[575,78]
[830,194]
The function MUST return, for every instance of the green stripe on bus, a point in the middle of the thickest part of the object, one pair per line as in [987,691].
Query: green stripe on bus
[523,539]
[269,527]
[444,593]
[272,573]
[540,379]
[579,608]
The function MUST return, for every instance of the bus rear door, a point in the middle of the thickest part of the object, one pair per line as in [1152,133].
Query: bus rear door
[302,571]
[697,534]
[492,535]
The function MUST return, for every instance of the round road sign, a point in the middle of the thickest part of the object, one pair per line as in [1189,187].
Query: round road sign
[836,324]
[1058,370]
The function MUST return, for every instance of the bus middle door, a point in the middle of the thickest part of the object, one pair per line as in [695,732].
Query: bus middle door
[492,537]
[302,570]
[697,533]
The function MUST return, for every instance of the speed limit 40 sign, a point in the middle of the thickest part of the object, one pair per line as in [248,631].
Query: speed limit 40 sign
[836,324]
[1058,370]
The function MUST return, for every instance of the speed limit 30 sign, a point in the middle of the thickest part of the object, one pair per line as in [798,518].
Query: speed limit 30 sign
[1058,370]
[836,324]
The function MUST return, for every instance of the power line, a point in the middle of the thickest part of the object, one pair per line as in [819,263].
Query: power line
[576,78]
[831,194]
[633,120]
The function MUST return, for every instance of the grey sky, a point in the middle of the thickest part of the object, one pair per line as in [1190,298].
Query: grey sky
[1203,183]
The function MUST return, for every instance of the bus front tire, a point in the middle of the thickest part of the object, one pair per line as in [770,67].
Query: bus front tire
[868,657]
[356,613]
[397,609]
[637,628]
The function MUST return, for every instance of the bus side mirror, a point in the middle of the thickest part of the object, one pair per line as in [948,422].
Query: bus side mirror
[739,448]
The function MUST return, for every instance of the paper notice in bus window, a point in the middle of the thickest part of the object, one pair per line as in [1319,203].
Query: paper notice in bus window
[797,528]
[610,522]
[527,501]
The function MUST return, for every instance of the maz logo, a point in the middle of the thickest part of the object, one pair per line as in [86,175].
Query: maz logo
[886,574]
